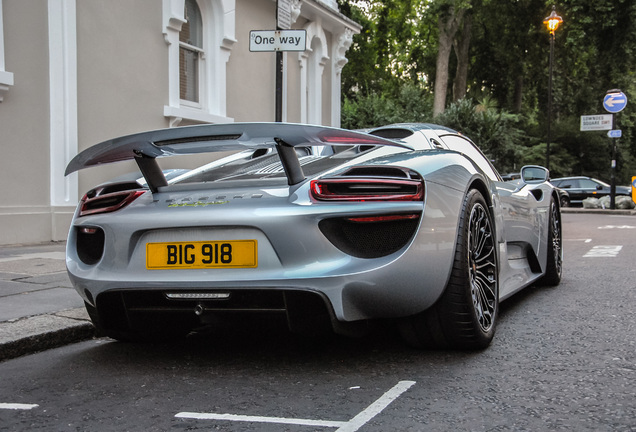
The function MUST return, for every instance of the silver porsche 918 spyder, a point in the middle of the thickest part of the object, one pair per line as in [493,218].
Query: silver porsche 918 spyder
[319,227]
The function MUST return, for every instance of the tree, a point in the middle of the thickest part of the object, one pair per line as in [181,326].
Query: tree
[450,20]
[501,52]
[461,45]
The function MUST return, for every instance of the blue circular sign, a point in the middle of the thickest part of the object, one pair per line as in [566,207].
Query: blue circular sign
[615,102]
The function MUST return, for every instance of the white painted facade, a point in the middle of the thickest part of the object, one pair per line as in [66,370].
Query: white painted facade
[77,72]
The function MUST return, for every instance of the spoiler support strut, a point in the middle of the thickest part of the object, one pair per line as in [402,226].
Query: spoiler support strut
[151,171]
[291,164]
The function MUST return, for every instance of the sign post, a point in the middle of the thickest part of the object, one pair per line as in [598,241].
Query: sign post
[283,22]
[614,102]
[279,40]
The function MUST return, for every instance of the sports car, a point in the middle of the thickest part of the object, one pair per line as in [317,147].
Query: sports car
[322,228]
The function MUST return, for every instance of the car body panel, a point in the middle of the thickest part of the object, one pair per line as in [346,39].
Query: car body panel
[294,252]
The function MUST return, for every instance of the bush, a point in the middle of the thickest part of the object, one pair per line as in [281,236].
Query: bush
[409,104]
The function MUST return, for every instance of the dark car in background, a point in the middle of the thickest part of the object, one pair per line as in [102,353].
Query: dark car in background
[581,187]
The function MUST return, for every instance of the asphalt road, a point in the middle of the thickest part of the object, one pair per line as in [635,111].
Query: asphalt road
[563,359]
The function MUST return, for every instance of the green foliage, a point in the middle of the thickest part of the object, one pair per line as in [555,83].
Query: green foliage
[395,45]
[410,104]
[594,51]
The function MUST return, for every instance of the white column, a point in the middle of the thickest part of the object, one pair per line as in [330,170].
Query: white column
[340,47]
[62,100]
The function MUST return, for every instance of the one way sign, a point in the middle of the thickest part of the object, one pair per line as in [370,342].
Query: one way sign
[277,40]
[614,101]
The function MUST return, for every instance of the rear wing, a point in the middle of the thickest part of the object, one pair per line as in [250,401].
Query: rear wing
[145,147]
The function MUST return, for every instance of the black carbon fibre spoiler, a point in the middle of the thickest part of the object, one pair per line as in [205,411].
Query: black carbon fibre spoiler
[145,147]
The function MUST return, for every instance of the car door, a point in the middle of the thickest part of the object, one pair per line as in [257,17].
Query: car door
[516,213]
[573,189]
[590,188]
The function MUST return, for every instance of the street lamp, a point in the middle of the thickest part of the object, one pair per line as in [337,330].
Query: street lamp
[552,23]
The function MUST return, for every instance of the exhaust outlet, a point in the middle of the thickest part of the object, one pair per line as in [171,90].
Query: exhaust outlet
[199,309]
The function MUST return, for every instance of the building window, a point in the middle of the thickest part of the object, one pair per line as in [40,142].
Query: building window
[313,61]
[190,53]
[200,36]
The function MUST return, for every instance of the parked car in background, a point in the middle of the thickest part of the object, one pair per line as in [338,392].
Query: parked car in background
[581,187]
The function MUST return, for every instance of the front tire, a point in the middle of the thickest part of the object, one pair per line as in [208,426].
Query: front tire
[554,260]
[466,314]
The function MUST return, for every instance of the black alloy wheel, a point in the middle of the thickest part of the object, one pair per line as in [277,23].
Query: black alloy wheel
[465,316]
[554,260]
[482,267]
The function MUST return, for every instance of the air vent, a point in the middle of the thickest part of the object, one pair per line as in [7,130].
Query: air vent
[228,137]
[380,171]
[393,133]
[370,237]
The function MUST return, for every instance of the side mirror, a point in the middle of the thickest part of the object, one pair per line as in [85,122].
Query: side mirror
[534,174]
[599,187]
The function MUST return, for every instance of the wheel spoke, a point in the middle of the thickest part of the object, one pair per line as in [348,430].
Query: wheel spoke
[555,226]
[482,266]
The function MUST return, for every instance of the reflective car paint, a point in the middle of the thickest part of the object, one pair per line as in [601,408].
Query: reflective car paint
[240,198]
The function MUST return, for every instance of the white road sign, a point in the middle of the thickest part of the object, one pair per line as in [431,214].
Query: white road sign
[596,122]
[283,15]
[277,40]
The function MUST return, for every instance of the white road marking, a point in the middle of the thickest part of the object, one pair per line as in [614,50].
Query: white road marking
[583,240]
[17,406]
[617,227]
[350,426]
[376,407]
[259,419]
[603,252]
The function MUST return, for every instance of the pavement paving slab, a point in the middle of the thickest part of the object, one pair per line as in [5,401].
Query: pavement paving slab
[39,309]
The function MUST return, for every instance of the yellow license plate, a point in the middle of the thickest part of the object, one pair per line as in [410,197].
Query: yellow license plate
[202,254]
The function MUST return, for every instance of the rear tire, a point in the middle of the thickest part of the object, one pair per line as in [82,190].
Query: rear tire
[465,316]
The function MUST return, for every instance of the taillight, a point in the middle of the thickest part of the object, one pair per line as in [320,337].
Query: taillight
[94,204]
[384,218]
[367,189]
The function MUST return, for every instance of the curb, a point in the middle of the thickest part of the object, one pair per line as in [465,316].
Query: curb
[41,332]
[620,212]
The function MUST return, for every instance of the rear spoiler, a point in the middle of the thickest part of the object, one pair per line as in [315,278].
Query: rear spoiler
[145,147]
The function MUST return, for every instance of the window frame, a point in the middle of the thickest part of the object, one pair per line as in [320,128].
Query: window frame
[218,27]
[200,64]
[6,78]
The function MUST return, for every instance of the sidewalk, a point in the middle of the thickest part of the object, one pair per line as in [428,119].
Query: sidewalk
[39,309]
